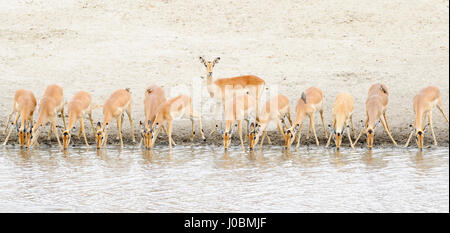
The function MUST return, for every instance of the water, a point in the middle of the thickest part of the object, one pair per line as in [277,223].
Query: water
[204,179]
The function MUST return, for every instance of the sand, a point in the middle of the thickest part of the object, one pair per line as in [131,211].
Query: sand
[338,46]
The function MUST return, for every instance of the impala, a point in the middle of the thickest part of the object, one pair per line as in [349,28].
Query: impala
[117,103]
[423,104]
[310,102]
[23,106]
[223,88]
[376,106]
[237,109]
[77,108]
[342,118]
[154,97]
[174,108]
[50,104]
[276,109]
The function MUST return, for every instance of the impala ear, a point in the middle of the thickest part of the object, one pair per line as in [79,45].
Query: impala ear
[384,89]
[304,97]
[99,126]
[202,60]
[149,90]
[216,60]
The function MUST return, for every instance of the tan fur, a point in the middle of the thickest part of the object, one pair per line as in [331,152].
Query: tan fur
[342,117]
[314,103]
[77,108]
[117,103]
[275,109]
[376,106]
[24,105]
[50,104]
[423,104]
[237,109]
[170,110]
[154,97]
[223,88]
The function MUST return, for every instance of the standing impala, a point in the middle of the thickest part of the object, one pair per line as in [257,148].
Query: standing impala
[77,108]
[117,103]
[24,106]
[276,108]
[174,108]
[237,109]
[310,102]
[342,118]
[424,102]
[376,106]
[51,103]
[219,89]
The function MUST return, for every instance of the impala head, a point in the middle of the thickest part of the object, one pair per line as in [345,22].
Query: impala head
[100,134]
[28,136]
[289,136]
[370,132]
[209,64]
[147,134]
[253,134]
[226,138]
[66,138]
[21,133]
[338,139]
[419,136]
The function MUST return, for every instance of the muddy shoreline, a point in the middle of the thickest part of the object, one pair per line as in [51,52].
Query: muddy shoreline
[182,138]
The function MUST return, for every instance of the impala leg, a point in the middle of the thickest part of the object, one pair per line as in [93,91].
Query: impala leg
[106,137]
[299,135]
[119,128]
[202,132]
[50,131]
[11,129]
[214,122]
[314,129]
[430,120]
[131,123]
[84,131]
[280,127]
[35,138]
[63,117]
[323,123]
[192,131]
[55,131]
[353,126]
[383,122]
[7,122]
[80,131]
[268,139]
[140,143]
[92,122]
[240,133]
[169,132]
[309,129]
[409,138]
[442,110]
[165,131]
[263,137]
[329,140]
[350,138]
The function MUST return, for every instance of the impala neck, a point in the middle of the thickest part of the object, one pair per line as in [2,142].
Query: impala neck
[210,85]
[418,123]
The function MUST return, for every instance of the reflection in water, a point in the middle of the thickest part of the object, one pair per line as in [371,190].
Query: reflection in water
[205,178]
